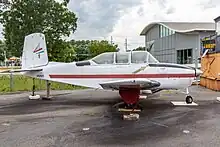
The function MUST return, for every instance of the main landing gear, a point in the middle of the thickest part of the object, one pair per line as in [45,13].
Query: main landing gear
[189,98]
[47,97]
[37,97]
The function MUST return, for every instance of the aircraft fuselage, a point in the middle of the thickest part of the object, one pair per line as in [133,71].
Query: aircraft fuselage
[170,76]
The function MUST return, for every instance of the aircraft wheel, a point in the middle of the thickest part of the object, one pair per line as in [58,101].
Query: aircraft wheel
[189,99]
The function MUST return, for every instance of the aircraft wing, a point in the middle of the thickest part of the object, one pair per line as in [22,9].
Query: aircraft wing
[20,70]
[130,83]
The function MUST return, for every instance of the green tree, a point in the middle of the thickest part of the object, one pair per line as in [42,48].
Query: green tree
[65,52]
[65,2]
[86,49]
[98,47]
[81,48]
[140,49]
[2,49]
[24,17]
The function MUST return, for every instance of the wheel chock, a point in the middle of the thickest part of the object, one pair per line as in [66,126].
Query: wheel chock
[129,110]
[133,116]
[35,97]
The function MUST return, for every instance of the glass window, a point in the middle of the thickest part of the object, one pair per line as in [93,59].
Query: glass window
[104,58]
[160,31]
[189,56]
[122,57]
[151,59]
[163,31]
[218,28]
[184,56]
[139,57]
[167,32]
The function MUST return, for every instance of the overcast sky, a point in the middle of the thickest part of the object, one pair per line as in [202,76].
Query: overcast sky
[100,19]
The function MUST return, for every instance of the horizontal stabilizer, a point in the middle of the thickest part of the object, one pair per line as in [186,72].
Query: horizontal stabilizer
[21,70]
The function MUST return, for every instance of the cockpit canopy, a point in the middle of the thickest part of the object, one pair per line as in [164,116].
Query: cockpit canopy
[124,58]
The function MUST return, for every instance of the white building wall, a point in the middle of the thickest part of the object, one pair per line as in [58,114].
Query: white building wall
[165,48]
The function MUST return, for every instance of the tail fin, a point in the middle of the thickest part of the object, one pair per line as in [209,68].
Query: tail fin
[34,51]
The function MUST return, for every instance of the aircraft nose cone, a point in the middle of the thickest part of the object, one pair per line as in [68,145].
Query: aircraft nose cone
[198,72]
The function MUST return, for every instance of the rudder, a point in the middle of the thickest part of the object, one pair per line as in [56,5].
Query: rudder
[34,51]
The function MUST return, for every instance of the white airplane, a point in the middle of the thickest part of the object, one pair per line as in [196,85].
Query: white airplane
[128,72]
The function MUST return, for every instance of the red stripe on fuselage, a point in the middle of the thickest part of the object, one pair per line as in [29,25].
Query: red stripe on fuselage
[112,76]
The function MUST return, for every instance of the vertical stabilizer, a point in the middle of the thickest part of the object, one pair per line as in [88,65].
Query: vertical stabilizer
[34,51]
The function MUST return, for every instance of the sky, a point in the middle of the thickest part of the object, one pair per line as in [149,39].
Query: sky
[125,19]
[121,19]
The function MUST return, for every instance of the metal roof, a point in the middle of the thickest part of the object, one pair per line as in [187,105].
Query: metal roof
[182,27]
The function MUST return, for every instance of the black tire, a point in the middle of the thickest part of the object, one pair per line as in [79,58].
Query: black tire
[189,99]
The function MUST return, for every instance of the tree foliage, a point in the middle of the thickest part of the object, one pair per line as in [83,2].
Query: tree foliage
[2,49]
[45,16]
[140,49]
[65,2]
[98,47]
[81,48]
[53,19]
[65,52]
[86,49]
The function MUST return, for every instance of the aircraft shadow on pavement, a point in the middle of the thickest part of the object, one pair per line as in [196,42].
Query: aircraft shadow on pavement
[71,101]
[62,102]
[26,106]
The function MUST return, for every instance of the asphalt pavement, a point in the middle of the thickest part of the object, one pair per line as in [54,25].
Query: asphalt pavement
[87,118]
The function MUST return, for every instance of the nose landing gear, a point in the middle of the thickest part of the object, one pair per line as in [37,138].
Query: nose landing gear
[189,98]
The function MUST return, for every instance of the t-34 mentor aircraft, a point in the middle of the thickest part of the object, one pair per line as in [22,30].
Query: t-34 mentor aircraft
[128,72]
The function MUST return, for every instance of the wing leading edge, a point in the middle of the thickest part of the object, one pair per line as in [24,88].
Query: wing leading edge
[130,83]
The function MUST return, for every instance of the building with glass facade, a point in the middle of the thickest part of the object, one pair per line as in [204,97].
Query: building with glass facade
[176,42]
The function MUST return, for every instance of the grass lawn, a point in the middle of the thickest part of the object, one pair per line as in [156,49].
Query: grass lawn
[23,83]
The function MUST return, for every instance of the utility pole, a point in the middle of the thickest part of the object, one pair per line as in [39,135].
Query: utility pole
[111,40]
[196,58]
[126,44]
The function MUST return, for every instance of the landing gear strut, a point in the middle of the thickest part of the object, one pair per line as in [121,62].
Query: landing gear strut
[48,97]
[33,96]
[37,97]
[189,98]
